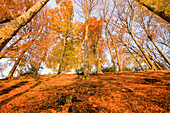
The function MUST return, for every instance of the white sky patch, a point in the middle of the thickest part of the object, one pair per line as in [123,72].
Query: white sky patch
[6,70]
[52,3]
[45,70]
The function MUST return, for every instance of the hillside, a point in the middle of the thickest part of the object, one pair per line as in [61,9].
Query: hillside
[143,91]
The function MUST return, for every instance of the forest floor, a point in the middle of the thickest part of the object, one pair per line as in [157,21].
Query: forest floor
[140,92]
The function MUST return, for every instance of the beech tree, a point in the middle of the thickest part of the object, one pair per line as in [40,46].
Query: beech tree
[86,8]
[20,58]
[133,55]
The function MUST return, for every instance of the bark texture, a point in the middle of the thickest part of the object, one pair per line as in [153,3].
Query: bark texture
[86,61]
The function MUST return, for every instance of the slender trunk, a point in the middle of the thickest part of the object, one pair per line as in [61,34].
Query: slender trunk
[118,59]
[62,56]
[99,71]
[133,56]
[19,59]
[145,55]
[144,59]
[151,57]
[159,50]
[117,52]
[15,65]
[109,46]
[86,61]
[162,12]
[10,47]
[137,60]
[159,67]
[65,69]
[41,59]
[11,29]
[162,65]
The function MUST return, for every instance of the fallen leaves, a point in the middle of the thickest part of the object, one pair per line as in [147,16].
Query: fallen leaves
[125,92]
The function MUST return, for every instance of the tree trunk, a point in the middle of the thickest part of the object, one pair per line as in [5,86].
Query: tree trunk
[145,55]
[109,46]
[39,64]
[62,56]
[65,69]
[86,61]
[11,29]
[159,10]
[118,59]
[10,47]
[16,63]
[133,56]
[158,66]
[144,59]
[117,52]
[152,58]
[159,50]
[19,59]
[99,71]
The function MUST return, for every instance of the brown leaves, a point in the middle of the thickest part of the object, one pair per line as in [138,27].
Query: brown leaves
[145,91]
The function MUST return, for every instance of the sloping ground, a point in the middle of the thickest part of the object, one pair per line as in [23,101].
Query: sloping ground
[139,92]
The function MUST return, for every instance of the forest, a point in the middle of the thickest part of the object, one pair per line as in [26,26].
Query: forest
[119,45]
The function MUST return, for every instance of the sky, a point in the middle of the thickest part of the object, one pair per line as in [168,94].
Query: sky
[52,3]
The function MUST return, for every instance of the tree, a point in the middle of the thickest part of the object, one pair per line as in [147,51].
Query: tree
[95,43]
[127,21]
[10,29]
[20,58]
[106,13]
[150,28]
[30,48]
[62,25]
[121,40]
[86,6]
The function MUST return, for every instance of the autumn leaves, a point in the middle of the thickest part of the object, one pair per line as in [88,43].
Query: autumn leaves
[118,32]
